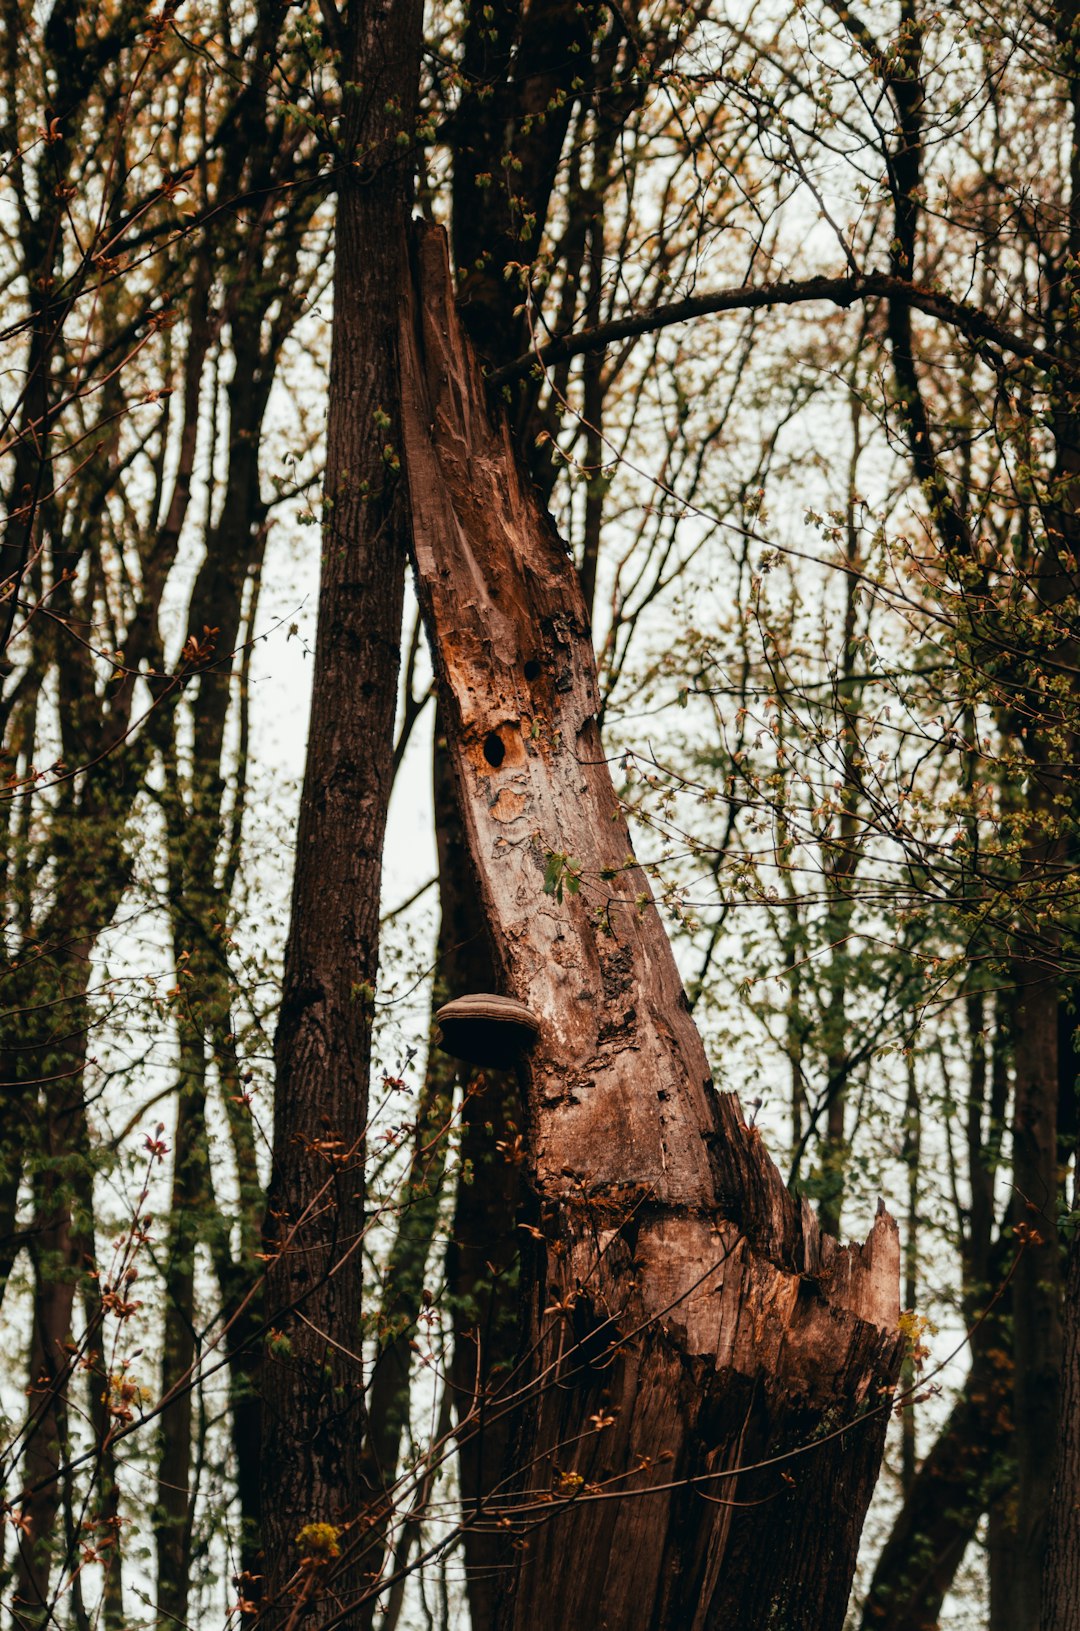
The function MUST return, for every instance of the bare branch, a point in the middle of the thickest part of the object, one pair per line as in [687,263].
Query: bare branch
[837,291]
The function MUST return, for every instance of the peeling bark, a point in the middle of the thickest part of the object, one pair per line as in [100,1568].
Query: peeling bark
[706,1376]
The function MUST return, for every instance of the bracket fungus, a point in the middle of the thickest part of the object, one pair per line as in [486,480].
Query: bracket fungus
[484,1029]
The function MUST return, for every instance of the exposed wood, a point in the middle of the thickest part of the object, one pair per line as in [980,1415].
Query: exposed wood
[688,1318]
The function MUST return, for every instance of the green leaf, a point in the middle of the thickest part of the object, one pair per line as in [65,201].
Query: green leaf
[553,873]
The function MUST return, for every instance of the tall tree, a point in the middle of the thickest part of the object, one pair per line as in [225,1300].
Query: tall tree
[315,1484]
[662,1232]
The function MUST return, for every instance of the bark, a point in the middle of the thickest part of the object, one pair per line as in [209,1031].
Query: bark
[174,1512]
[524,67]
[313,1432]
[1061,1577]
[1037,1284]
[403,1301]
[967,1472]
[58,1248]
[482,1259]
[707,1377]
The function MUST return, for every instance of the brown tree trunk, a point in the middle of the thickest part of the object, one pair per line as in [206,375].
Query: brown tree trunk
[315,1489]
[483,1255]
[60,1254]
[1054,1336]
[964,1473]
[707,1377]
[174,1511]
[967,1471]
[1061,1578]
[1036,1294]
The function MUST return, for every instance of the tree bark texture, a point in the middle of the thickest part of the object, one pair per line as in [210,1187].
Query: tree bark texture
[315,1486]
[1061,1578]
[967,1471]
[483,1254]
[1036,1291]
[706,1378]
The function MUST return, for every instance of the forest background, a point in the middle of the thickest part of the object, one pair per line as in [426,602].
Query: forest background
[780,304]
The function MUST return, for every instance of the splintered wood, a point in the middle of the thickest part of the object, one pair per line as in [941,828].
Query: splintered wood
[706,1379]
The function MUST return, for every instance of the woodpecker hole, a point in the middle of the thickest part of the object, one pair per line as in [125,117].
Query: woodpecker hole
[532,669]
[494,752]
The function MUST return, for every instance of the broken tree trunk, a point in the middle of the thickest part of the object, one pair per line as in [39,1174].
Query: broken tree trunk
[705,1384]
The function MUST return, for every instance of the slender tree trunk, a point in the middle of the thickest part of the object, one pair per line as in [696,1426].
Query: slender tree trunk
[1037,1346]
[693,1339]
[482,1260]
[1058,1517]
[911,1154]
[964,1473]
[389,1392]
[174,1510]
[55,1270]
[59,1258]
[1061,1579]
[315,1488]
[970,1469]
[967,1471]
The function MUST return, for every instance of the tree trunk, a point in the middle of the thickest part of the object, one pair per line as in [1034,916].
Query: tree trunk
[483,1254]
[968,1470]
[1036,1291]
[1061,1578]
[315,1487]
[173,1515]
[707,1378]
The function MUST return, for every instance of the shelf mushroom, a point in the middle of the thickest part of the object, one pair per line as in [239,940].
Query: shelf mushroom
[485,1029]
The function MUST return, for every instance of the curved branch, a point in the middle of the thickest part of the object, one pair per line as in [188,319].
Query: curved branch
[837,291]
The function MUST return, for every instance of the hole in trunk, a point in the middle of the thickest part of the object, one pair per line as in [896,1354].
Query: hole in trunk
[532,669]
[494,752]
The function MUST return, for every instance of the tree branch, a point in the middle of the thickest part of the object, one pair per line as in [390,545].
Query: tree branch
[838,291]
